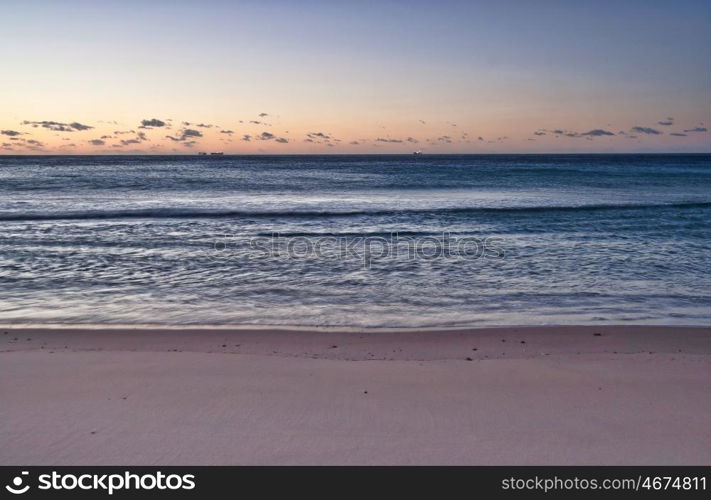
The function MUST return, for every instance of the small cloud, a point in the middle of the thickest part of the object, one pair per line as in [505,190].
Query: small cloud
[246,137]
[97,142]
[666,123]
[697,129]
[318,135]
[126,142]
[281,140]
[228,132]
[58,126]
[396,141]
[266,136]
[79,126]
[412,139]
[185,134]
[10,133]
[539,132]
[262,115]
[645,130]
[598,132]
[153,122]
[677,134]
[354,143]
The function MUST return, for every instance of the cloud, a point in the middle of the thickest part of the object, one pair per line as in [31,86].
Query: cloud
[445,138]
[79,126]
[697,129]
[262,115]
[266,136]
[539,132]
[645,130]
[354,143]
[35,142]
[10,133]
[153,122]
[185,134]
[396,141]
[126,142]
[97,142]
[246,137]
[281,140]
[412,139]
[598,132]
[677,134]
[669,121]
[228,132]
[256,122]
[58,126]
[318,135]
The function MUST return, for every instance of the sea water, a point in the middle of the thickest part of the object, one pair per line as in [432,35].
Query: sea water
[390,241]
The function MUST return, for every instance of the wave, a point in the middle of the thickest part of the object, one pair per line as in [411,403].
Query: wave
[192,213]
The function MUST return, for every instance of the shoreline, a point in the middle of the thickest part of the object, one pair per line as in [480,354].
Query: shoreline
[538,395]
[321,328]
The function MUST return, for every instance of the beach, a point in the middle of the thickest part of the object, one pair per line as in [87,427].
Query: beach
[253,396]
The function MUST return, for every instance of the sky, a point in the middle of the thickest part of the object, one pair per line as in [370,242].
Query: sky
[164,77]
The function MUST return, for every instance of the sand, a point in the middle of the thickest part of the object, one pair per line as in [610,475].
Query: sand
[536,395]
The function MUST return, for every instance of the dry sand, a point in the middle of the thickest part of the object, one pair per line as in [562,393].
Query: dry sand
[536,395]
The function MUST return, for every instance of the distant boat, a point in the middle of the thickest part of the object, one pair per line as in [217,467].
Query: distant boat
[417,153]
[217,154]
[202,153]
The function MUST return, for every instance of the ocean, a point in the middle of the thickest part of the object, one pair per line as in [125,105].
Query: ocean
[362,241]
